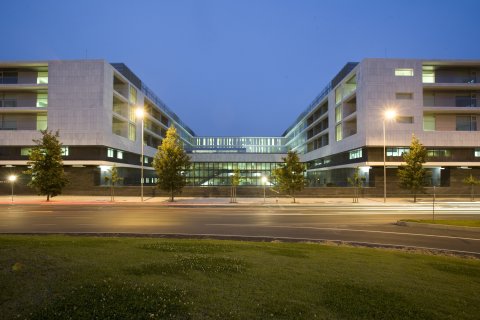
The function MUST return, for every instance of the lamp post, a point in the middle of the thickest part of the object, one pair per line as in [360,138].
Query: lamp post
[388,115]
[264,181]
[12,178]
[140,115]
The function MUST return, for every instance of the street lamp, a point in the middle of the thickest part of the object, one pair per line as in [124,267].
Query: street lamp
[264,181]
[388,115]
[140,115]
[12,178]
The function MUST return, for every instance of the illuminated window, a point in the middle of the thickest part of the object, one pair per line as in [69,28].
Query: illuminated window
[338,114]
[131,132]
[355,154]
[477,153]
[397,152]
[110,152]
[429,122]
[133,95]
[119,154]
[443,153]
[25,151]
[145,160]
[403,72]
[65,151]
[41,122]
[42,77]
[428,76]
[338,132]
[42,100]
[338,95]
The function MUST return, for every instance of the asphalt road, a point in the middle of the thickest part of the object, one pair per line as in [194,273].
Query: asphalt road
[366,224]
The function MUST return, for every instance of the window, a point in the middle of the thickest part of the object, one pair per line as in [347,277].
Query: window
[355,154]
[466,123]
[477,152]
[404,119]
[110,153]
[25,151]
[466,101]
[131,132]
[404,96]
[428,76]
[338,95]
[8,77]
[397,152]
[429,122]
[8,100]
[133,95]
[338,132]
[403,72]
[65,152]
[119,154]
[41,122]
[338,114]
[42,77]
[443,153]
[42,100]
[145,160]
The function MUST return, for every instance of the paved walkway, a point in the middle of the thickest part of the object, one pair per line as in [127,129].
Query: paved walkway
[66,199]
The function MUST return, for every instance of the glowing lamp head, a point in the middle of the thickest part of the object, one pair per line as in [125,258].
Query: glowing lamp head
[12,178]
[264,180]
[390,114]
[139,113]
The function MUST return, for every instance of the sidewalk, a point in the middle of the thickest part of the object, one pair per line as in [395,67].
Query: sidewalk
[191,201]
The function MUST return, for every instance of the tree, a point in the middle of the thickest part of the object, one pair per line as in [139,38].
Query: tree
[46,165]
[235,182]
[412,175]
[356,182]
[472,182]
[290,176]
[112,178]
[170,163]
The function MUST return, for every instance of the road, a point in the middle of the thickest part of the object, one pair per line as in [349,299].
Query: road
[365,224]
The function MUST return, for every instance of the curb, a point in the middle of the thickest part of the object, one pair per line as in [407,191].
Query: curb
[436,226]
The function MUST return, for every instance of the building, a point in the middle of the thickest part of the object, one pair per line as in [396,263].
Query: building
[92,103]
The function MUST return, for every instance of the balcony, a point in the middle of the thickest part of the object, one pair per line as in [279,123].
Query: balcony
[450,99]
[448,77]
[23,121]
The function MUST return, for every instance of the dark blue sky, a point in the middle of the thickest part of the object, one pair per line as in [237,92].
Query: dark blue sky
[245,67]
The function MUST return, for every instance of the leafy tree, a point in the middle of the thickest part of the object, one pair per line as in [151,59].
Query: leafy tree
[235,182]
[290,176]
[412,175]
[472,182]
[46,165]
[170,163]
[356,182]
[112,178]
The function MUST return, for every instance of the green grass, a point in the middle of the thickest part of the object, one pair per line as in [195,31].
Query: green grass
[465,223]
[61,277]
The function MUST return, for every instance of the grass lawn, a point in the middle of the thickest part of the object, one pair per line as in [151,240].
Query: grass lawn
[62,277]
[465,223]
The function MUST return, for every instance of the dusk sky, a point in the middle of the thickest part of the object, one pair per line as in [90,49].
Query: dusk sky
[238,68]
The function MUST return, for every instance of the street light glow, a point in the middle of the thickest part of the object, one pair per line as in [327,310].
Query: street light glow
[264,180]
[139,113]
[12,178]
[390,114]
